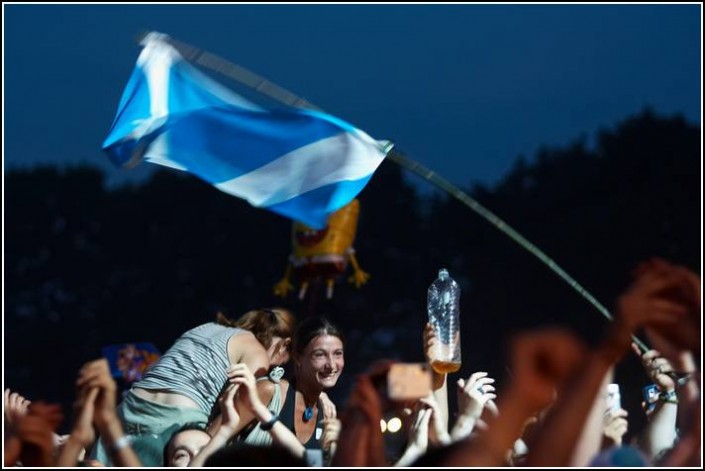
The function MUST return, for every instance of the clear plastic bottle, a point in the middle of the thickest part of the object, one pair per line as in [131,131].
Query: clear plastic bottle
[444,316]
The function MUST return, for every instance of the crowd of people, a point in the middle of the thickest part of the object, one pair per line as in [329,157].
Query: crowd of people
[218,397]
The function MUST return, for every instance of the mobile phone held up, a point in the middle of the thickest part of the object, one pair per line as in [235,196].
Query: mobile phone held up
[614,400]
[651,393]
[408,381]
[129,361]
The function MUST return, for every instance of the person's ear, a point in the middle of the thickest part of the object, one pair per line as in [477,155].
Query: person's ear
[286,344]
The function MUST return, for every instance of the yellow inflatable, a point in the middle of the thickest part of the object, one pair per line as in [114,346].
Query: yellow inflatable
[324,253]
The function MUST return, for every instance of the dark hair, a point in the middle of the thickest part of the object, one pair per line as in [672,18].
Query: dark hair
[184,428]
[312,327]
[265,324]
[243,455]
[436,457]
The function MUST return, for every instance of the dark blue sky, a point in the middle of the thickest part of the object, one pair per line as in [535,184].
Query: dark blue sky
[463,89]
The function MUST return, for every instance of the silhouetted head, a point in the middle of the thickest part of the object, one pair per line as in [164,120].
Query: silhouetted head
[242,455]
[184,445]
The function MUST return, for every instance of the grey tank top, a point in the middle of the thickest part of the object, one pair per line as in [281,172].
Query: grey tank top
[194,366]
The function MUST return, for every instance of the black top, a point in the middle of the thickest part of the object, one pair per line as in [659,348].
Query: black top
[287,417]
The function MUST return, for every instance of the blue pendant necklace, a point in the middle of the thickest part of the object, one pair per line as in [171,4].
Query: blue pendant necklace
[308,410]
[308,413]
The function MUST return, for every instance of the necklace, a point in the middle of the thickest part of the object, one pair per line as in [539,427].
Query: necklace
[308,410]
[308,413]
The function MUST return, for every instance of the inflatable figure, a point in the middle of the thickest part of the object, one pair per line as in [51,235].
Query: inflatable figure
[324,254]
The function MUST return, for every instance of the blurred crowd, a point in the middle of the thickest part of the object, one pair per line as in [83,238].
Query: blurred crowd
[219,397]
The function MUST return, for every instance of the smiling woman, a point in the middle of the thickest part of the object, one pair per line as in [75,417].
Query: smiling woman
[302,405]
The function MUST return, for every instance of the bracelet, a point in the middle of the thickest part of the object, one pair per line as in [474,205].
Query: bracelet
[121,443]
[270,423]
[668,396]
[682,379]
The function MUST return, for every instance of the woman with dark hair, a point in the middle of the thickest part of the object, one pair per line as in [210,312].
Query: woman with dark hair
[184,384]
[318,359]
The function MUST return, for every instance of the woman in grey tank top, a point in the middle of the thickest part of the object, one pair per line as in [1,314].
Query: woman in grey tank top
[184,384]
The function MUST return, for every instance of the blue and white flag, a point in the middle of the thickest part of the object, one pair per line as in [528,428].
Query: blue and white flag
[302,164]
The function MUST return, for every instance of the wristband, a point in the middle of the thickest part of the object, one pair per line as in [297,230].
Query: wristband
[121,443]
[270,423]
[669,397]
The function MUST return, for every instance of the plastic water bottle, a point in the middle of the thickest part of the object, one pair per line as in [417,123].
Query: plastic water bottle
[444,316]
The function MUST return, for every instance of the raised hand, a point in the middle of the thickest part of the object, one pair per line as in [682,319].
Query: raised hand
[474,393]
[657,368]
[361,442]
[240,375]
[331,432]
[329,409]
[678,340]
[615,425]
[82,435]
[437,432]
[84,409]
[542,361]
[657,300]
[430,342]
[418,437]
[230,416]
[15,408]
[365,401]
[36,432]
[96,374]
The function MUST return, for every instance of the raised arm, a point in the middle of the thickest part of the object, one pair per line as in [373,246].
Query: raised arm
[96,374]
[35,432]
[541,361]
[660,432]
[418,440]
[590,441]
[440,380]
[82,434]
[15,408]
[361,442]
[614,426]
[228,426]
[269,421]
[642,305]
[244,348]
[473,394]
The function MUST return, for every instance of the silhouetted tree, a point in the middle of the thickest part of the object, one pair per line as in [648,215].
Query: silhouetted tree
[86,266]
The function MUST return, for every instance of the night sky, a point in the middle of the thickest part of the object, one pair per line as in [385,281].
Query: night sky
[464,89]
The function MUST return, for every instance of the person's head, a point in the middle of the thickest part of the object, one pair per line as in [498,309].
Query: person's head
[318,352]
[273,328]
[623,456]
[184,445]
[242,455]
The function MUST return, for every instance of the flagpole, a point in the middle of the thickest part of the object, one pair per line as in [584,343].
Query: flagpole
[273,91]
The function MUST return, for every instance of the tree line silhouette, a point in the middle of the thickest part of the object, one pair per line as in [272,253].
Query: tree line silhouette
[87,266]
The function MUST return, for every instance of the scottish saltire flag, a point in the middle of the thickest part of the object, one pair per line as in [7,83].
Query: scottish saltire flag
[302,164]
